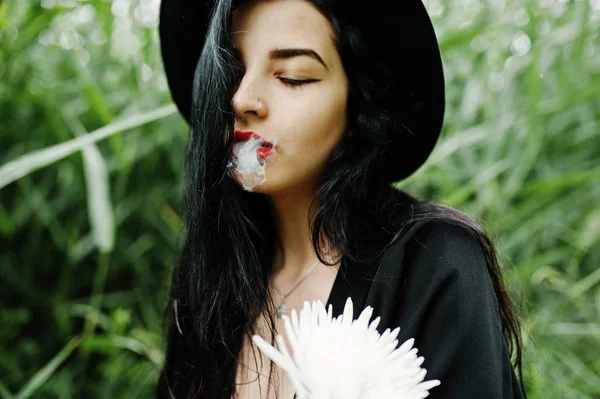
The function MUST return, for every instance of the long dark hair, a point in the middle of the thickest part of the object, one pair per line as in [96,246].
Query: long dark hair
[219,284]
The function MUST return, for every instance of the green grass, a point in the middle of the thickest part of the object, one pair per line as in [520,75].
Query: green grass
[88,229]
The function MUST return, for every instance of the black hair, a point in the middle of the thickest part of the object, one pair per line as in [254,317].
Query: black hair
[219,283]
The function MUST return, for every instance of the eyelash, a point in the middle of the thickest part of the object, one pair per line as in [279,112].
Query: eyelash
[296,83]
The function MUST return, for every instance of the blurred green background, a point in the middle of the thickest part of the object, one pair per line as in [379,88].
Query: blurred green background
[89,228]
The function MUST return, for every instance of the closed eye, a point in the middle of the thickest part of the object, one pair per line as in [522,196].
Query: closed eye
[295,82]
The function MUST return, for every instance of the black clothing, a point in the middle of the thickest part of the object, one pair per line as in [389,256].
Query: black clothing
[433,283]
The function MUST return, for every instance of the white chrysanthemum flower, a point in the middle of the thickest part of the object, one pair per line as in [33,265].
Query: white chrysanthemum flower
[335,358]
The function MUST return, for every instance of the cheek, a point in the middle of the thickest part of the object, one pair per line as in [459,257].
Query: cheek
[320,124]
[330,123]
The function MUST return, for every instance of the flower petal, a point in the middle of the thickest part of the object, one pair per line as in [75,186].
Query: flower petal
[374,323]
[348,315]
[272,353]
[364,317]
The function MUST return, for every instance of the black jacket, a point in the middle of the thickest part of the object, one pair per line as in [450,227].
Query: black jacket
[433,283]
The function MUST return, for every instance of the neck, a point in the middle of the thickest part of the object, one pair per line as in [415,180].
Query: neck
[294,252]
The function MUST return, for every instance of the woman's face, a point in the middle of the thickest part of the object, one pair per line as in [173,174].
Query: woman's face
[293,90]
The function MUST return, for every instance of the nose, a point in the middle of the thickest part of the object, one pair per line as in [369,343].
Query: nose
[246,101]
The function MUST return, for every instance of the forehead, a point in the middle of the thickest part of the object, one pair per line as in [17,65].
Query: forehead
[280,23]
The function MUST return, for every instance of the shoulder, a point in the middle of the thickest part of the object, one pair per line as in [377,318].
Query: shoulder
[435,271]
[434,278]
[448,245]
[427,230]
[434,255]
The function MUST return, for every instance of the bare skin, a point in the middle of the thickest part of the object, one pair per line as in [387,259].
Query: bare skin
[308,121]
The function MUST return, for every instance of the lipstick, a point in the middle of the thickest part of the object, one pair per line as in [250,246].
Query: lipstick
[263,152]
[239,135]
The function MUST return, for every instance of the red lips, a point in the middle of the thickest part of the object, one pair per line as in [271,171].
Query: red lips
[264,151]
[238,135]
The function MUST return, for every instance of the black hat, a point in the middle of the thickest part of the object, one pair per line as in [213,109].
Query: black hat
[401,45]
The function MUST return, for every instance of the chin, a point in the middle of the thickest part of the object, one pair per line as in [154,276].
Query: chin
[274,185]
[267,188]
[279,180]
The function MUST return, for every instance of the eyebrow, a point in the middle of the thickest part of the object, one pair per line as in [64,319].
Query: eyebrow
[286,53]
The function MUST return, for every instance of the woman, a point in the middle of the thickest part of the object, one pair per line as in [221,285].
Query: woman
[302,114]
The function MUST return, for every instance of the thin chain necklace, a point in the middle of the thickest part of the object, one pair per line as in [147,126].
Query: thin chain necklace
[281,308]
